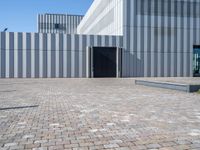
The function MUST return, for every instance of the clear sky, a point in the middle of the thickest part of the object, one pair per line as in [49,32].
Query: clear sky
[21,15]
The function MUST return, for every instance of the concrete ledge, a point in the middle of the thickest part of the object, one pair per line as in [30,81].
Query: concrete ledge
[169,85]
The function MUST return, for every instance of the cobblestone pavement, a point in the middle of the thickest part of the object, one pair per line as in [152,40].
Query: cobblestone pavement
[82,114]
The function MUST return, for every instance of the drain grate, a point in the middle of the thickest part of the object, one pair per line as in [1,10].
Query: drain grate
[19,107]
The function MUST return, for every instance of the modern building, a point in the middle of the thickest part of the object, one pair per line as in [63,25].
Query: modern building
[115,38]
[58,23]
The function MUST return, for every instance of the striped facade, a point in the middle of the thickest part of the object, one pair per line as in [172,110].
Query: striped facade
[158,35]
[58,23]
[40,55]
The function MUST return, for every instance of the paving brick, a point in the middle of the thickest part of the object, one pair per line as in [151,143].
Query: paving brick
[71,146]
[138,147]
[195,146]
[181,147]
[40,141]
[111,146]
[183,142]
[167,148]
[40,148]
[31,146]
[123,148]
[153,146]
[57,147]
[168,144]
[86,144]
[96,147]
[28,136]
[10,144]
[97,114]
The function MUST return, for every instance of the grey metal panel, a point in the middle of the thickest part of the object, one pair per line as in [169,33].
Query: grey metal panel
[36,55]
[77,47]
[172,45]
[99,40]
[80,56]
[44,56]
[84,46]
[69,59]
[103,41]
[7,54]
[73,56]
[165,42]
[20,57]
[3,53]
[28,55]
[92,40]
[61,55]
[53,54]
[11,55]
[49,55]
[152,52]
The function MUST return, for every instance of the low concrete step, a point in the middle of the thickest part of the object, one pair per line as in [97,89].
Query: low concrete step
[169,85]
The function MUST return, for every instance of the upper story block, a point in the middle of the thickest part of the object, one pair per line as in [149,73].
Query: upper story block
[58,23]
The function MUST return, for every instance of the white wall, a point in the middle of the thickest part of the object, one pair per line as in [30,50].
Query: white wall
[105,17]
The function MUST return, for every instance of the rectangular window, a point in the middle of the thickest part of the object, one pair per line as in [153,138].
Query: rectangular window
[57,26]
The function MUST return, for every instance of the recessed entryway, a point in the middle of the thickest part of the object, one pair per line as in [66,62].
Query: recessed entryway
[104,62]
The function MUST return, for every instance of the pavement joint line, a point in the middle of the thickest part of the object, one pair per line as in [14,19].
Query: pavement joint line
[20,107]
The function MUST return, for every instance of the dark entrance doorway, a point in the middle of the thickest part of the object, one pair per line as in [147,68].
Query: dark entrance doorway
[196,61]
[104,62]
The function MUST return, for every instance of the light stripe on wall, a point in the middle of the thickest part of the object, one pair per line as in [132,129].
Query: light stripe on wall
[32,55]
[57,55]
[41,55]
[16,55]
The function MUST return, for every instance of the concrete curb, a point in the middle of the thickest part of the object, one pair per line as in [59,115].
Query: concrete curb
[167,85]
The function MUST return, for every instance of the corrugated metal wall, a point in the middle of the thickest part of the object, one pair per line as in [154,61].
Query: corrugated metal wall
[67,23]
[159,36]
[40,55]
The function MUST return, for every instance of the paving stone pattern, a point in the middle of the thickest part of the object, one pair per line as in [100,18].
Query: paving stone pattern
[89,114]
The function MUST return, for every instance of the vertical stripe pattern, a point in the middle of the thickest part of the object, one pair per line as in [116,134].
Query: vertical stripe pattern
[58,23]
[159,36]
[42,55]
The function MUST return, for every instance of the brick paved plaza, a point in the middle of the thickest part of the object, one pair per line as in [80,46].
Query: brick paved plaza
[82,114]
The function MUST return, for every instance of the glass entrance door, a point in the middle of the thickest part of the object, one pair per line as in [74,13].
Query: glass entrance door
[196,61]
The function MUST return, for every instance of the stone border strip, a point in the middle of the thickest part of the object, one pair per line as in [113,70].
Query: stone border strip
[168,85]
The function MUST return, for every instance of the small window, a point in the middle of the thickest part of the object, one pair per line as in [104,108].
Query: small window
[57,26]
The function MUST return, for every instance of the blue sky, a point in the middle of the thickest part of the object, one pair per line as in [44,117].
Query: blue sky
[21,15]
